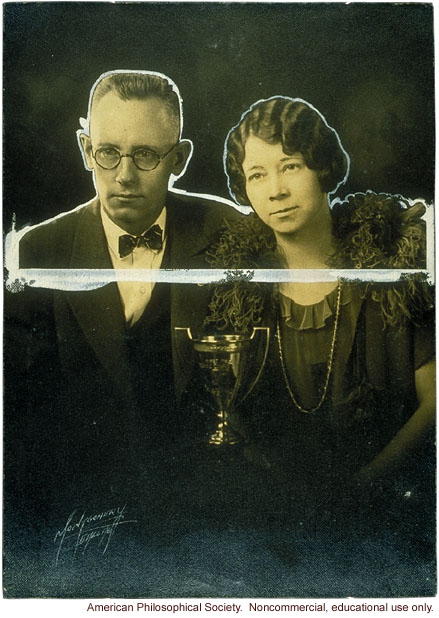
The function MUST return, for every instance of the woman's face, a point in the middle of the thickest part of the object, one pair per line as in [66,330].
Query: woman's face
[282,190]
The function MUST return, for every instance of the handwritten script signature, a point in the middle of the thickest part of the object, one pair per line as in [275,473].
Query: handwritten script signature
[81,529]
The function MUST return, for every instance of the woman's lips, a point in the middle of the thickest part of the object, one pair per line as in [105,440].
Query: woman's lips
[283,211]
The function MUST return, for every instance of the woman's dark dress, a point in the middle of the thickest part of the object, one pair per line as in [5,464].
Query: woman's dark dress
[312,459]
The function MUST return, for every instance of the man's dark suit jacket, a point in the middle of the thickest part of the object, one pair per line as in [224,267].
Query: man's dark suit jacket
[74,416]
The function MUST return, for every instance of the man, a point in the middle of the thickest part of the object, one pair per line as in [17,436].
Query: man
[95,408]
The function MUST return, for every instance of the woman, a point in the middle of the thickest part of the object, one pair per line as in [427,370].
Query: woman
[347,394]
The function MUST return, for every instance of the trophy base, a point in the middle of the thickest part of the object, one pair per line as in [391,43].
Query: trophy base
[224,435]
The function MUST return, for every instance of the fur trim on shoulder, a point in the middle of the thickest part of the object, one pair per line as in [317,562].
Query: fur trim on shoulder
[385,231]
[408,300]
[378,231]
[370,230]
[238,304]
[246,243]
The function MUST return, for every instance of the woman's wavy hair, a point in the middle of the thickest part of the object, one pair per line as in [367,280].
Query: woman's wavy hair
[296,125]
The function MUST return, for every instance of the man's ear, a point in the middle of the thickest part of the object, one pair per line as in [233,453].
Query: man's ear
[182,154]
[85,147]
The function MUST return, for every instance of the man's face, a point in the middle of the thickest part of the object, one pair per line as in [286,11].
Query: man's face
[283,191]
[131,197]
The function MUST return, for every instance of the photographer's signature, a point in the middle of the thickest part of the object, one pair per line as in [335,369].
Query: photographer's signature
[81,530]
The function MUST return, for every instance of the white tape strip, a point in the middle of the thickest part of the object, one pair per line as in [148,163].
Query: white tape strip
[94,278]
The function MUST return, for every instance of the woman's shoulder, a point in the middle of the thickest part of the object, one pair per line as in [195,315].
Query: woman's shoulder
[379,230]
[384,231]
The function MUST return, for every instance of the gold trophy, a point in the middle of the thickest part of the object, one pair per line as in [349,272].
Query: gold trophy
[231,365]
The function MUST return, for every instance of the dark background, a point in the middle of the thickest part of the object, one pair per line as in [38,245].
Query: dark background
[367,67]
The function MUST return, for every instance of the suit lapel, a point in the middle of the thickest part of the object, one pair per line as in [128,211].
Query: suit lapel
[90,245]
[188,240]
[99,312]
[188,234]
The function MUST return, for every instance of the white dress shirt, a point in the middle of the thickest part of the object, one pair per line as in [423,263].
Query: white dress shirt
[134,295]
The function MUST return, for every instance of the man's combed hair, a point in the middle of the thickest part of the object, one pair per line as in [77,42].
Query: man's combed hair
[299,128]
[139,85]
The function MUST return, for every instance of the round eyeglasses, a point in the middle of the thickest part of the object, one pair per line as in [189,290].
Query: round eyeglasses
[146,160]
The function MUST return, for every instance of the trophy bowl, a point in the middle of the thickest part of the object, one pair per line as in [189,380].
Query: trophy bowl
[231,366]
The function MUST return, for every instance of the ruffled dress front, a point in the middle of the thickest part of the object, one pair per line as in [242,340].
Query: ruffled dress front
[306,335]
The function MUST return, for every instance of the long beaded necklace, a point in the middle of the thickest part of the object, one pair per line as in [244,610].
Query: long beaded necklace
[330,359]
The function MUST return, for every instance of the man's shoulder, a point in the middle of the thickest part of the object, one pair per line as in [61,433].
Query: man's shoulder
[199,202]
[203,212]
[195,224]
[49,243]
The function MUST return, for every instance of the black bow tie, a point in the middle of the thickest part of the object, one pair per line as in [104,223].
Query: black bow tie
[152,239]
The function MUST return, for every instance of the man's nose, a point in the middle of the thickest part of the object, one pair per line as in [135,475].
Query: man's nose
[126,170]
[278,190]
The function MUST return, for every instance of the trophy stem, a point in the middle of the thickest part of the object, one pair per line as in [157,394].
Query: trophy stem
[223,361]
[223,434]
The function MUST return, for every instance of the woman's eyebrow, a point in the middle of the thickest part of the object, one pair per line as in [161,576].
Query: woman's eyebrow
[298,156]
[255,167]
